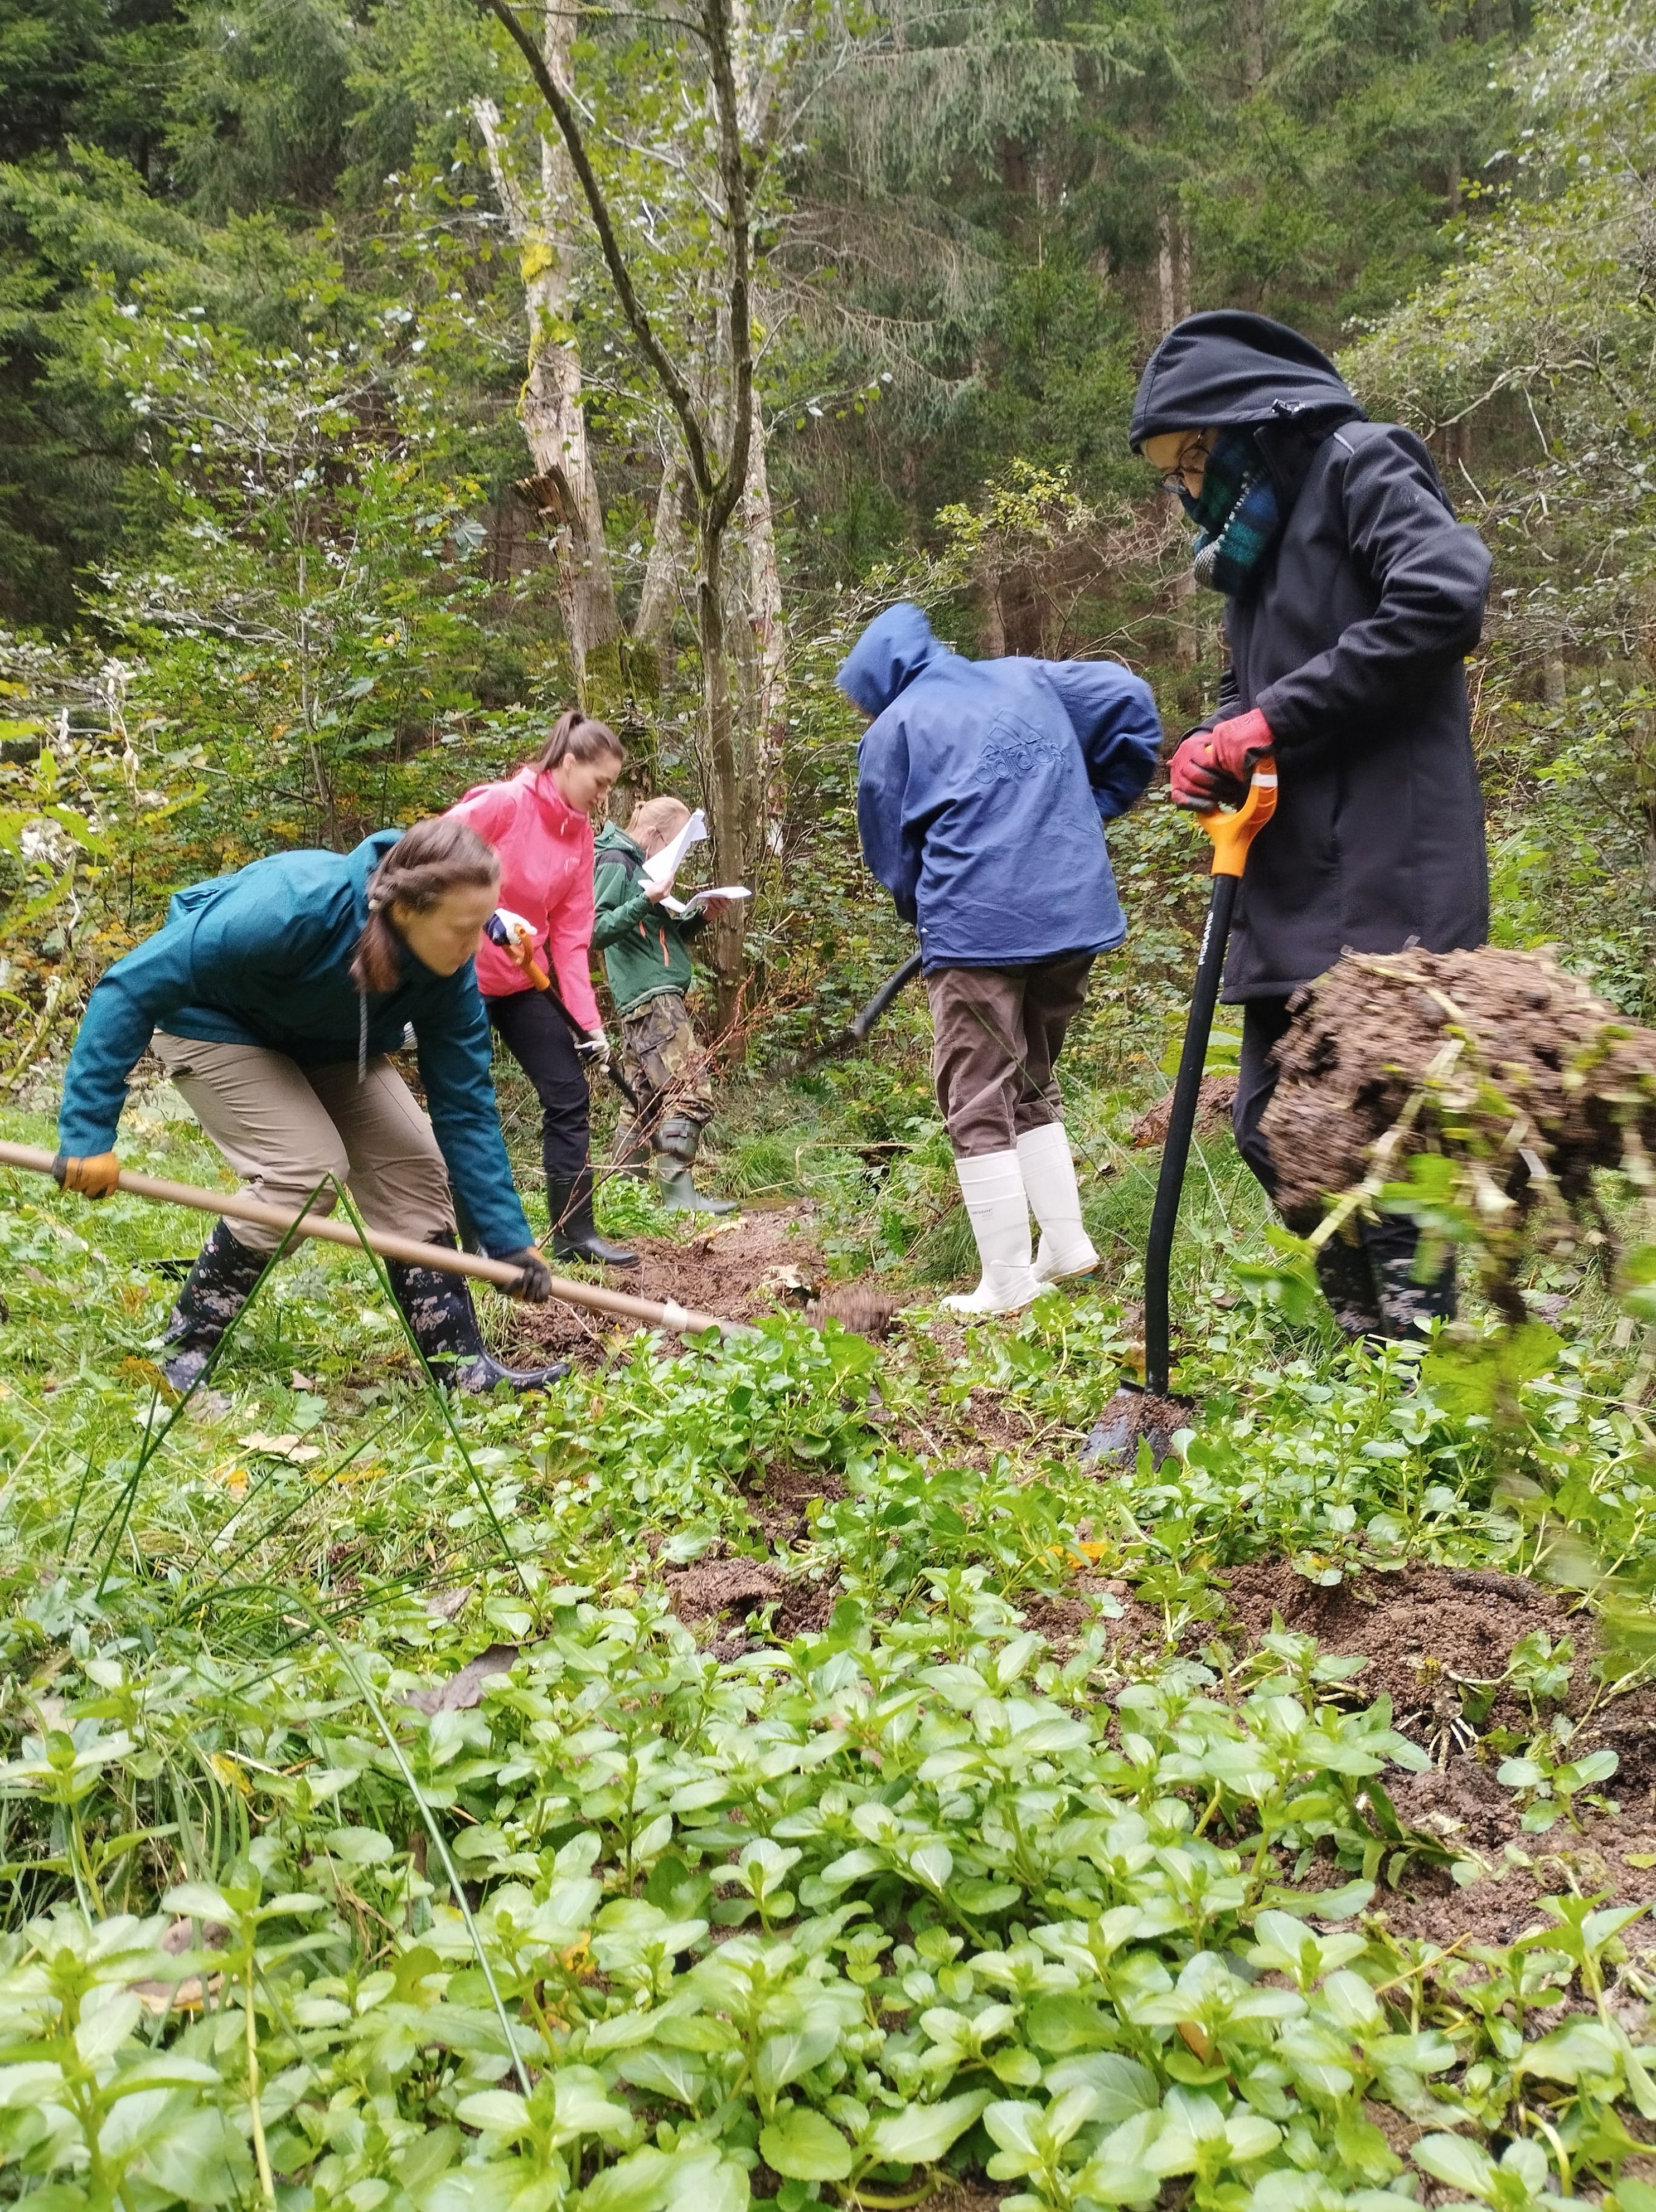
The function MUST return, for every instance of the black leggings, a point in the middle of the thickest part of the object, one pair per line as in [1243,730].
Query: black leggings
[1264,1024]
[539,1040]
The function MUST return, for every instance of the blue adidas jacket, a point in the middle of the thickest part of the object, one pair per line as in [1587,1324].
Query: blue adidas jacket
[264,957]
[982,787]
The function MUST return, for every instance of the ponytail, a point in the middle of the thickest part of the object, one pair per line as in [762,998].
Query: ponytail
[577,734]
[436,857]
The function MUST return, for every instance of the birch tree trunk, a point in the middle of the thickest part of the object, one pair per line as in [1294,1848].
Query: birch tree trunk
[770,648]
[652,631]
[724,774]
[563,490]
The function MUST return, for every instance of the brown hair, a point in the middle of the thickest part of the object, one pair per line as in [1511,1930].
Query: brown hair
[436,856]
[577,733]
[661,817]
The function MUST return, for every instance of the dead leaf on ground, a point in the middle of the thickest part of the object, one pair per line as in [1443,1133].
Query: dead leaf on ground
[287,1447]
[462,1692]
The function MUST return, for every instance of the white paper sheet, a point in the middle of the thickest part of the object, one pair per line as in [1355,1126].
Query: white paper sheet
[662,867]
[679,909]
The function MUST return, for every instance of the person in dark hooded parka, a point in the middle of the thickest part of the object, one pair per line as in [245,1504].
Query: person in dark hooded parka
[982,788]
[1352,596]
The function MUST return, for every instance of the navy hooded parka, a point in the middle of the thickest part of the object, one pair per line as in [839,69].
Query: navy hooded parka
[1350,642]
[983,786]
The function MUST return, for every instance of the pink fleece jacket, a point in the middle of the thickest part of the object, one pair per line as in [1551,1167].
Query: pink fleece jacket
[545,875]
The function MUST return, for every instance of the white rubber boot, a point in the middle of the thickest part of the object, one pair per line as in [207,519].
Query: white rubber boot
[1049,1172]
[992,1186]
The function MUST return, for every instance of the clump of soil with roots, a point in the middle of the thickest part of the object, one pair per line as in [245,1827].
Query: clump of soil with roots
[1510,1072]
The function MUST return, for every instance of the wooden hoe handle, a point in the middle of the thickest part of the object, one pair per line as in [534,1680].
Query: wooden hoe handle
[593,1296]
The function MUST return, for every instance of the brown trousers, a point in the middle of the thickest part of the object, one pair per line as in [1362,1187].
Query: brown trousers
[282,1128]
[986,1021]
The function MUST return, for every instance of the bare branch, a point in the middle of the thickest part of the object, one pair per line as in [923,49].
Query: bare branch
[632,307]
[733,172]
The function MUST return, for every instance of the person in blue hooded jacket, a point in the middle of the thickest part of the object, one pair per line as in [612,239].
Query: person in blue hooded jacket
[273,998]
[982,790]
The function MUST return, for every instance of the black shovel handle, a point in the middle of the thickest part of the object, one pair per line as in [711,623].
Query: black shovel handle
[894,984]
[1181,1127]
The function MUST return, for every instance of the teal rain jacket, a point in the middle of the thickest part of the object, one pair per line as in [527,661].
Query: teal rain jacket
[262,957]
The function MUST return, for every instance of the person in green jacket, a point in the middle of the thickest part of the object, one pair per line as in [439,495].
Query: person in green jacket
[647,959]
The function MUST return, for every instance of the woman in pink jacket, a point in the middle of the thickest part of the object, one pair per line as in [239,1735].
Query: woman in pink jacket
[539,822]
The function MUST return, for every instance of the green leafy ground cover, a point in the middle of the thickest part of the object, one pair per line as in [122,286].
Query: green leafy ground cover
[377,1833]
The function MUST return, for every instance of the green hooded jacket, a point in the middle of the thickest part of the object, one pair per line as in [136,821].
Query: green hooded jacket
[643,947]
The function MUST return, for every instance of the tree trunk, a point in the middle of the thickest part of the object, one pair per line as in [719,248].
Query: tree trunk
[563,490]
[1181,593]
[1172,269]
[770,646]
[724,776]
[566,492]
[1253,44]
[1554,681]
[652,631]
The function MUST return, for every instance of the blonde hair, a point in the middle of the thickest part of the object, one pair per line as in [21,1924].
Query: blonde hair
[662,818]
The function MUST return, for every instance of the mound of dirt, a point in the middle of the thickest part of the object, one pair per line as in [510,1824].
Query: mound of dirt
[729,1591]
[868,1313]
[1425,1633]
[1504,1059]
[1213,1113]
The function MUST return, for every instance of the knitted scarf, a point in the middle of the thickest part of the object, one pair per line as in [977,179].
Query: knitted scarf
[1236,515]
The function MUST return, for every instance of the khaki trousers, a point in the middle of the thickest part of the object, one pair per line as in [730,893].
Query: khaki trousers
[985,1022]
[283,1128]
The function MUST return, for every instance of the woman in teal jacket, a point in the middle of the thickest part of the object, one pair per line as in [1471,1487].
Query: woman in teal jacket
[273,998]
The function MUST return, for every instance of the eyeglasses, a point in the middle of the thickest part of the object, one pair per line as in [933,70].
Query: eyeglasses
[1196,448]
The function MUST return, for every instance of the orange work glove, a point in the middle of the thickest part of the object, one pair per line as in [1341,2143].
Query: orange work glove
[93,1176]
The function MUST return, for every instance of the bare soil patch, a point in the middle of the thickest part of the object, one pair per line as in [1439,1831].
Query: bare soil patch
[870,1313]
[1426,1632]
[780,1499]
[731,1591]
[1363,1035]
[753,1264]
[1429,1636]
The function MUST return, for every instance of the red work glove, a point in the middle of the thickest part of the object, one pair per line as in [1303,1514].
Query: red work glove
[1212,767]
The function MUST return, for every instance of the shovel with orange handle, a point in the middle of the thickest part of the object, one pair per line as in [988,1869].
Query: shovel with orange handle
[1128,1415]
[516,938]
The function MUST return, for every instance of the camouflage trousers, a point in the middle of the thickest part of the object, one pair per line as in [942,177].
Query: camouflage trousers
[663,1060]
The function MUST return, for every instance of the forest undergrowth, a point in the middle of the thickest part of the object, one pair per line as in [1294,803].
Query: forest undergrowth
[784,1770]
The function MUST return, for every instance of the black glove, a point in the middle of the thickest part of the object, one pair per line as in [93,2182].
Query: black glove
[535,1285]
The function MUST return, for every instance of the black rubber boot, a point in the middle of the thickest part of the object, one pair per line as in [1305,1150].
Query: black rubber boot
[575,1233]
[676,1143]
[1347,1275]
[1406,1307]
[215,1290]
[438,1308]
